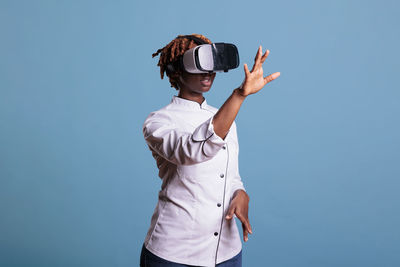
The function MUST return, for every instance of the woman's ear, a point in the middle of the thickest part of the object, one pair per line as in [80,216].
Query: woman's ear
[174,79]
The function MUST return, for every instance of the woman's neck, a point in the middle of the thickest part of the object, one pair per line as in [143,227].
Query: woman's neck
[193,96]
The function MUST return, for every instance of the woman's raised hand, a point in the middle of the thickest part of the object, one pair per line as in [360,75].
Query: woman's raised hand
[254,80]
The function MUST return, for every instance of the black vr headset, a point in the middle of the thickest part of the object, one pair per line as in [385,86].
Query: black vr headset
[206,58]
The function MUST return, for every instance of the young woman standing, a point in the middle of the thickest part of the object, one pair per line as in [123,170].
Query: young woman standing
[196,150]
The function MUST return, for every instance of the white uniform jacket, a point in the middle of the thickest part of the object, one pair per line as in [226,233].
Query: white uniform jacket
[199,172]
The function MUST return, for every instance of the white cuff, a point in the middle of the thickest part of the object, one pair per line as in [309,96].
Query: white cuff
[212,142]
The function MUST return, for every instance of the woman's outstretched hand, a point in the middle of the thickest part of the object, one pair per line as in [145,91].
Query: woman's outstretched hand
[254,80]
[239,206]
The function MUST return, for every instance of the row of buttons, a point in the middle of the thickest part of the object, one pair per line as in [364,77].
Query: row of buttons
[222,176]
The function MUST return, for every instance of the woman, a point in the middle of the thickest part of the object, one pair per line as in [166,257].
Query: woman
[196,150]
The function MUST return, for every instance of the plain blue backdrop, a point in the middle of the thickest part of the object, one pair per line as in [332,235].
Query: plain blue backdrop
[319,147]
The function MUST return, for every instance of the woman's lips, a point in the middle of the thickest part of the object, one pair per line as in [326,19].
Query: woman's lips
[206,81]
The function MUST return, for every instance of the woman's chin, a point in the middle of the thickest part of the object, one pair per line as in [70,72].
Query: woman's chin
[205,89]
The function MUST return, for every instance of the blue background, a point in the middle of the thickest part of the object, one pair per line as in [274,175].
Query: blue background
[320,146]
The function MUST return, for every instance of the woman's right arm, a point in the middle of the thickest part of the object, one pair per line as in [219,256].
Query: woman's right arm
[178,146]
[254,81]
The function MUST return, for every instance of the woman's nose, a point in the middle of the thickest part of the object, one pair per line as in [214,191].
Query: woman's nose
[208,74]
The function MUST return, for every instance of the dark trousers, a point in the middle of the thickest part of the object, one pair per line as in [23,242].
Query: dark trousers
[148,259]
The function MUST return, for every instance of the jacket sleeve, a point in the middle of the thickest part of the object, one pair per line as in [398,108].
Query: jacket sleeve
[236,183]
[179,146]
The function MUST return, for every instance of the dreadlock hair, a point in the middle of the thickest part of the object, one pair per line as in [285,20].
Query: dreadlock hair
[172,53]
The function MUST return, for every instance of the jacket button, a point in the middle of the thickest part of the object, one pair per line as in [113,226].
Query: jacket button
[221,175]
[219,205]
[224,147]
[215,233]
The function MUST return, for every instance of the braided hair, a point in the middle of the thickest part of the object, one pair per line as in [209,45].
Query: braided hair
[172,53]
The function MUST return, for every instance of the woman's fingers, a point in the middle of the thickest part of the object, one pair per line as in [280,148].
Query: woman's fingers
[242,216]
[246,231]
[247,225]
[245,222]
[245,234]
[257,59]
[258,55]
[246,70]
[230,213]
[271,77]
[260,58]
[264,57]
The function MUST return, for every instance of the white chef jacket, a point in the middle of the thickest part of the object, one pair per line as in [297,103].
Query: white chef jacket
[199,172]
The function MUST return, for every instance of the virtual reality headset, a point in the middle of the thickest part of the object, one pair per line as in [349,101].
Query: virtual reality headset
[207,58]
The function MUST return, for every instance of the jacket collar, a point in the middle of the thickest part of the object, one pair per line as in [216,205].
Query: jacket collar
[189,103]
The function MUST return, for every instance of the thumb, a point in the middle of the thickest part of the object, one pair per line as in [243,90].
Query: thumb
[230,213]
[246,70]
